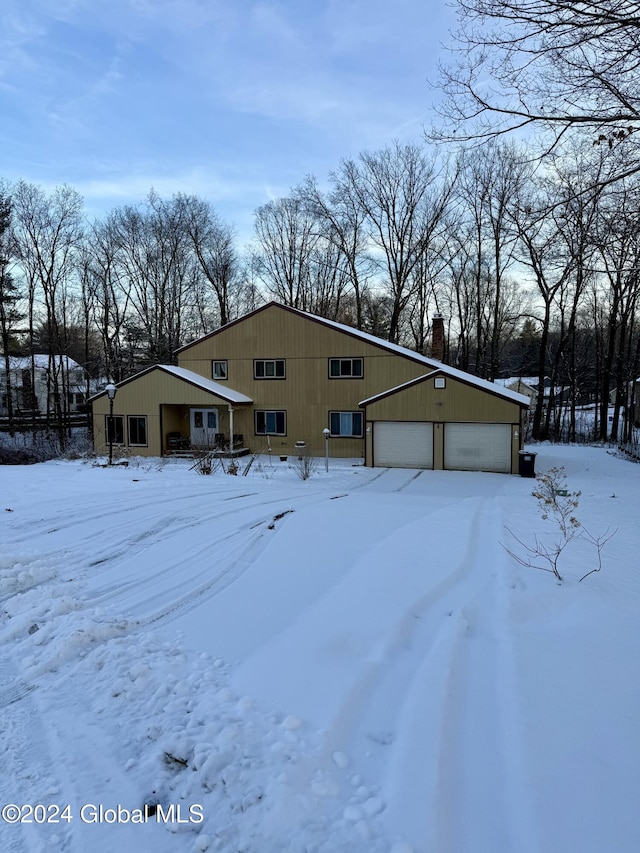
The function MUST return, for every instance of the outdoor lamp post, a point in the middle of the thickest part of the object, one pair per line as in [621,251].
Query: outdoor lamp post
[111,393]
[326,433]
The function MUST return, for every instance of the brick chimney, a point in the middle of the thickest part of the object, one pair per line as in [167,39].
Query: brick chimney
[437,337]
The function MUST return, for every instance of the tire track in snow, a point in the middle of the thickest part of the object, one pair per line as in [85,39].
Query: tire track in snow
[28,770]
[433,698]
[479,728]
[172,589]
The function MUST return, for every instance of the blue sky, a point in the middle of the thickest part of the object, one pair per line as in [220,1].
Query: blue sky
[234,100]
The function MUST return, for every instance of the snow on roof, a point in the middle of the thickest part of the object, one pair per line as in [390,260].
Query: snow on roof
[483,384]
[433,363]
[223,391]
[207,384]
[531,381]
[40,362]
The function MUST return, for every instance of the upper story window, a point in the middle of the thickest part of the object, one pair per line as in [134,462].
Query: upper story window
[345,368]
[440,382]
[269,368]
[219,369]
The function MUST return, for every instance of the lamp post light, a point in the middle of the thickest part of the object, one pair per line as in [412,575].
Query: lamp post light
[326,433]
[111,393]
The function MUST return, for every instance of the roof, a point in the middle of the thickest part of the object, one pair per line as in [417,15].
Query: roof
[40,362]
[530,381]
[461,376]
[432,363]
[222,391]
[332,324]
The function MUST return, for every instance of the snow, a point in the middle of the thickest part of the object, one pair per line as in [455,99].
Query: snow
[348,663]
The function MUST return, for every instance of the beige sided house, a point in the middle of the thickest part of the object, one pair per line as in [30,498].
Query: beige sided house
[279,376]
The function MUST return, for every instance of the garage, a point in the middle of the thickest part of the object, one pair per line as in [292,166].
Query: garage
[445,419]
[403,444]
[477,447]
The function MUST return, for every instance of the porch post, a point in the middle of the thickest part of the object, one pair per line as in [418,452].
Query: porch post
[230,427]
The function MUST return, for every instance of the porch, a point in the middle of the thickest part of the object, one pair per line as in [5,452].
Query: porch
[192,430]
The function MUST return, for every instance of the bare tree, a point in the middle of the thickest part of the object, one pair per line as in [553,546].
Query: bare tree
[213,243]
[341,221]
[9,298]
[287,237]
[48,231]
[403,206]
[546,64]
[156,262]
[618,245]
[490,184]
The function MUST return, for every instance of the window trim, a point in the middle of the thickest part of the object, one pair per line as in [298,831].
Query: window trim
[347,412]
[107,418]
[265,412]
[339,360]
[146,431]
[439,382]
[265,361]
[223,361]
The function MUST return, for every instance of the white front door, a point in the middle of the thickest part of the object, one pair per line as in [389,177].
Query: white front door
[204,426]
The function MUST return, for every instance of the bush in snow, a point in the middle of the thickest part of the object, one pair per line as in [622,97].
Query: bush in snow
[304,464]
[557,505]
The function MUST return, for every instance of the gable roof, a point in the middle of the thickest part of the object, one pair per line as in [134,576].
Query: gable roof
[332,324]
[41,361]
[431,363]
[461,376]
[222,391]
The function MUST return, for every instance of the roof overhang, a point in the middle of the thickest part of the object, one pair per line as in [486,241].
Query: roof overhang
[466,378]
[216,389]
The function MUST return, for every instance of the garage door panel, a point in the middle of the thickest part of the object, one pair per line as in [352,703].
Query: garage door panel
[403,444]
[478,447]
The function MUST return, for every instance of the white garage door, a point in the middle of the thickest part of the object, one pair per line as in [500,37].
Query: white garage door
[478,447]
[402,445]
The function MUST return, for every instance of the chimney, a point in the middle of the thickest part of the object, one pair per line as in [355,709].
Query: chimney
[437,337]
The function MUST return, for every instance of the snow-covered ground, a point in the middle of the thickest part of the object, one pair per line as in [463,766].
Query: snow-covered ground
[348,663]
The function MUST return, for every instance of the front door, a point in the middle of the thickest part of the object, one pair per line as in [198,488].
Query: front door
[204,426]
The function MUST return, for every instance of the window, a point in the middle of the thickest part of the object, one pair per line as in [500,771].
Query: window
[114,429]
[439,382]
[271,423]
[219,369]
[137,425]
[346,424]
[345,368]
[268,368]
[212,419]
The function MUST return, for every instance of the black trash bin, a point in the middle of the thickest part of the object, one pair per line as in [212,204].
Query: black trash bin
[527,463]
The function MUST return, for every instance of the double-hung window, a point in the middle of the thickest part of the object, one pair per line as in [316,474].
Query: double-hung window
[345,368]
[137,426]
[345,424]
[269,368]
[271,423]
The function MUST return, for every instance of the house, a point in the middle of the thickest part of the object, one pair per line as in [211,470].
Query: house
[279,376]
[34,379]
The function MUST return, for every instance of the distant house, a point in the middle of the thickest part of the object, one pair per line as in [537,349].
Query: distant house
[279,376]
[632,399]
[527,385]
[33,382]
